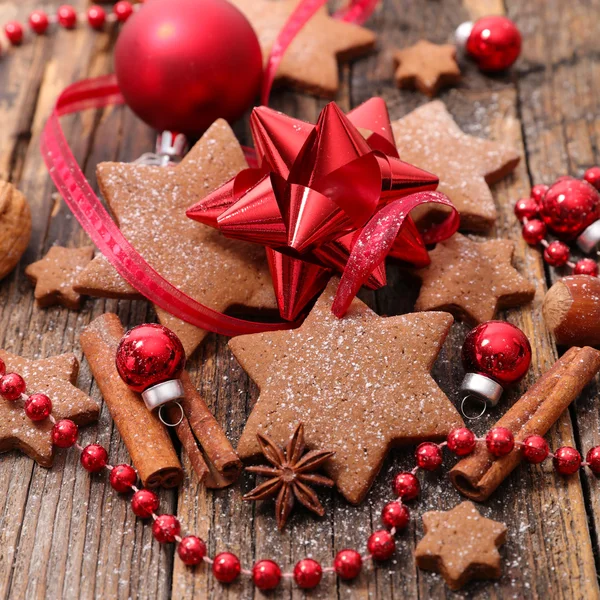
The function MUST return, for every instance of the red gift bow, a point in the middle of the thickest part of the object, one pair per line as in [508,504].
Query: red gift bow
[315,198]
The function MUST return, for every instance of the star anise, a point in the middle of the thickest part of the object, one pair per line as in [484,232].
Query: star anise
[290,476]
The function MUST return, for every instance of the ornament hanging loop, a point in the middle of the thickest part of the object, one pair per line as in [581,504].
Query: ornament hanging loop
[167,423]
[478,400]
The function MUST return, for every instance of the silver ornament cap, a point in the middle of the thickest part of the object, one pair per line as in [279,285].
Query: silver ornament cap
[590,237]
[162,393]
[482,387]
[462,33]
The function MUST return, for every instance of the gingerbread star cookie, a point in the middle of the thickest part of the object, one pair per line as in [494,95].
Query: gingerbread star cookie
[427,67]
[56,377]
[472,280]
[310,62]
[461,545]
[149,204]
[360,385]
[55,274]
[429,138]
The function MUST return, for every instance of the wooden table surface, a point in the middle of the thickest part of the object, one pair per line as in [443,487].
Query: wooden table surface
[64,534]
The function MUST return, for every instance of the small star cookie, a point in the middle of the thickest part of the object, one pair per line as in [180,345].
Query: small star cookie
[427,67]
[429,138]
[472,280]
[55,377]
[361,385]
[55,274]
[460,545]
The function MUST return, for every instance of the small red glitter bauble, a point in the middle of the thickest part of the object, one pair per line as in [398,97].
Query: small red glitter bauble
[64,433]
[14,32]
[347,564]
[191,550]
[123,10]
[38,21]
[494,43]
[593,459]
[165,528]
[94,458]
[226,567]
[500,441]
[461,441]
[539,191]
[567,460]
[12,385]
[535,449]
[556,254]
[144,503]
[122,478]
[428,456]
[266,575]
[407,486]
[381,545]
[592,176]
[533,231]
[67,16]
[96,17]
[395,515]
[497,350]
[149,354]
[307,573]
[570,206]
[38,407]
[586,266]
[526,208]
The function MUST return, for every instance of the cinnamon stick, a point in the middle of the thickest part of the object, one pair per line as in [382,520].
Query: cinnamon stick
[572,310]
[147,441]
[478,475]
[219,456]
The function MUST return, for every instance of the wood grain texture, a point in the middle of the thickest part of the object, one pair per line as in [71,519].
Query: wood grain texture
[64,534]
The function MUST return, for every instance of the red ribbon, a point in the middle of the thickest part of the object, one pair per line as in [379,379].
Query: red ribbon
[95,220]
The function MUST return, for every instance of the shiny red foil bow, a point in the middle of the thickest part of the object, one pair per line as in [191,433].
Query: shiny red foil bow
[316,202]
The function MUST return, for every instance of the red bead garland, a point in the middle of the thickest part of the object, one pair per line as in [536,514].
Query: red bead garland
[166,528]
[266,575]
[226,567]
[144,503]
[191,550]
[122,478]
[395,515]
[12,385]
[96,17]
[429,456]
[381,545]
[586,266]
[567,460]
[14,32]
[500,441]
[308,573]
[535,449]
[38,407]
[67,17]
[123,10]
[556,254]
[461,441]
[38,21]
[94,458]
[347,564]
[407,486]
[533,231]
[64,433]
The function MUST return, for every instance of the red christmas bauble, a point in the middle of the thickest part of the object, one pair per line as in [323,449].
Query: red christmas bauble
[570,206]
[122,478]
[149,354]
[226,567]
[347,564]
[182,64]
[307,573]
[497,350]
[494,43]
[381,545]
[94,458]
[567,460]
[266,575]
[191,550]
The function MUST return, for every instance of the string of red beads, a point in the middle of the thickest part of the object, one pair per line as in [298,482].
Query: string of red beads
[67,17]
[266,574]
[556,253]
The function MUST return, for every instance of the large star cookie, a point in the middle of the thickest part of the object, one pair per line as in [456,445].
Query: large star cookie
[360,385]
[55,274]
[472,280]
[429,138]
[55,377]
[149,204]
[461,545]
[426,66]
[310,62]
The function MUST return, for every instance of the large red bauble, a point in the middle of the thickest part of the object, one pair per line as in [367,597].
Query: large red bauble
[181,64]
[497,350]
[570,206]
[494,43]
[149,354]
